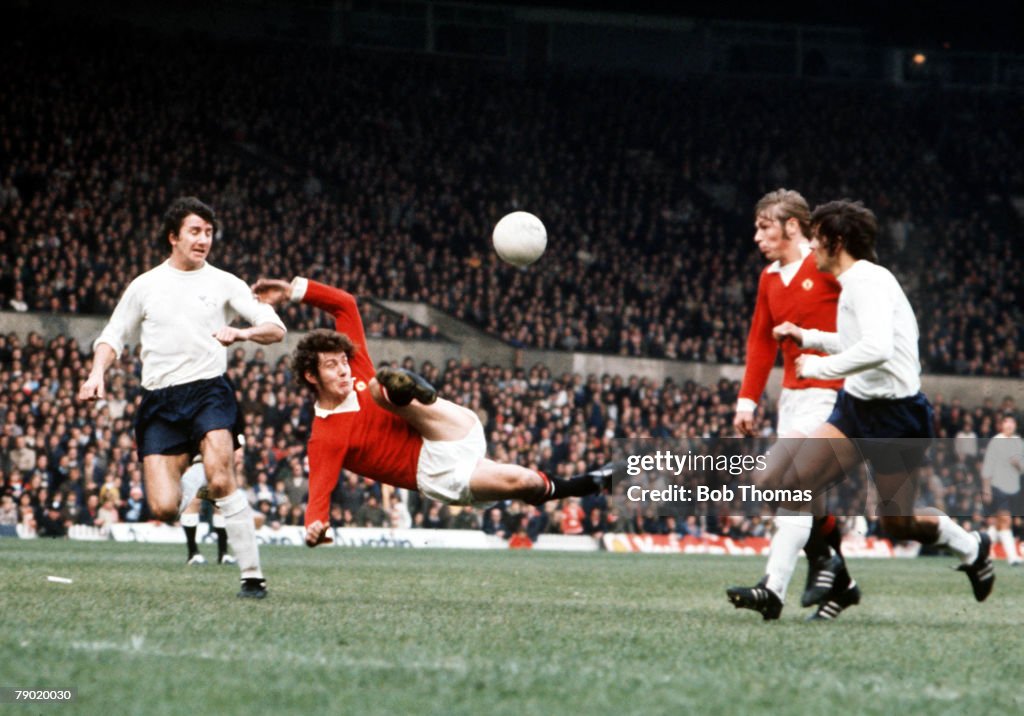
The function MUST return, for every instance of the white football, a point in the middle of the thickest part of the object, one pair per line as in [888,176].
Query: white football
[520,238]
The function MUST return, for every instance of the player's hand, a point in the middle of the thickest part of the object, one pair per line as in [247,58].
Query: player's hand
[744,422]
[92,389]
[228,335]
[272,290]
[316,534]
[788,330]
[801,363]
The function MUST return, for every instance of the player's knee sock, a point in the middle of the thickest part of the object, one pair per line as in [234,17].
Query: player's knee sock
[241,532]
[222,536]
[823,537]
[189,522]
[960,541]
[1006,539]
[792,530]
[555,488]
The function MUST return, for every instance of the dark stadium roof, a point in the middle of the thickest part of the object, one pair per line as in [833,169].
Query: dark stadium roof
[983,25]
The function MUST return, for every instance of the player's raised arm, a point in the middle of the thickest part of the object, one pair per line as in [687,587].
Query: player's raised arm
[339,303]
[265,327]
[272,291]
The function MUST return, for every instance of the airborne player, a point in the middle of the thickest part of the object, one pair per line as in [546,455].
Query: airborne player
[392,426]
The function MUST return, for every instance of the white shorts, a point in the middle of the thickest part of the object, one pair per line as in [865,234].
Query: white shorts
[803,410]
[446,466]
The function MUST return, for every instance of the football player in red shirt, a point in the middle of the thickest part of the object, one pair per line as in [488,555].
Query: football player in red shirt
[791,288]
[391,425]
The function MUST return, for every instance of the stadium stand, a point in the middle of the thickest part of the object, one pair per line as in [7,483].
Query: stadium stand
[62,463]
[384,174]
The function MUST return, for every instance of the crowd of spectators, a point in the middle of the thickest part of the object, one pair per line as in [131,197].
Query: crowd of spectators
[384,174]
[66,463]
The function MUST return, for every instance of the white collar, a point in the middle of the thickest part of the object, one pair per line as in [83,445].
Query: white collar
[348,405]
[776,267]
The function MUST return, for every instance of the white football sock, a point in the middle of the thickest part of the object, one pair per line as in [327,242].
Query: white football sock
[241,533]
[190,519]
[963,543]
[1006,539]
[791,534]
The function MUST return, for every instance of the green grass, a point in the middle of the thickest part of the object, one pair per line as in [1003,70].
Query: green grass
[463,632]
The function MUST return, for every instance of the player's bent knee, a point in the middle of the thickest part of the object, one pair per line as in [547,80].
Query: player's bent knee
[220,484]
[164,511]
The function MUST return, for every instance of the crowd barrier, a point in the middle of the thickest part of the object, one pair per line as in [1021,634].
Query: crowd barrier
[715,544]
[854,546]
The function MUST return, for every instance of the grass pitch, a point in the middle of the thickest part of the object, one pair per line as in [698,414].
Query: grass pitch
[460,632]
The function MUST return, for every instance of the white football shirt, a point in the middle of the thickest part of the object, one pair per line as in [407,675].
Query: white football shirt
[174,315]
[875,346]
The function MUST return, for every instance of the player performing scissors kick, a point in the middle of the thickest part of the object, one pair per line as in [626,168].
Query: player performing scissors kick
[392,426]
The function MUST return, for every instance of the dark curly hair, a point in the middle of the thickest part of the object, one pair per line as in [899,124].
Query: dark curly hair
[306,358]
[179,210]
[846,224]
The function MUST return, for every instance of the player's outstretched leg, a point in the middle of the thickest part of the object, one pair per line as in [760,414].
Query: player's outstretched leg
[981,571]
[759,598]
[604,476]
[401,386]
[500,481]
[589,483]
[973,548]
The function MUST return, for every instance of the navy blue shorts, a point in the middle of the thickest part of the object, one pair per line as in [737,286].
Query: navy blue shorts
[1012,503]
[174,420]
[894,435]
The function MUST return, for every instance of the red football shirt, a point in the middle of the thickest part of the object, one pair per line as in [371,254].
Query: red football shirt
[358,435]
[810,301]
